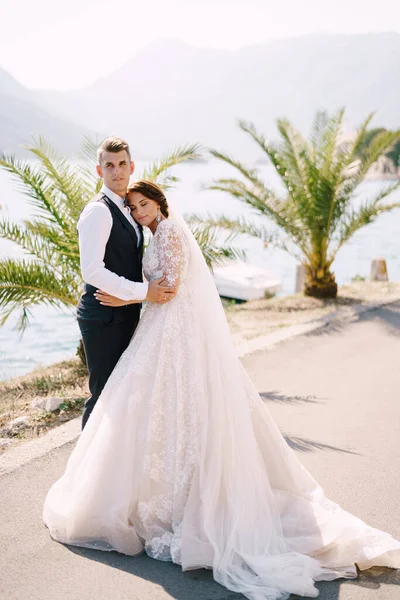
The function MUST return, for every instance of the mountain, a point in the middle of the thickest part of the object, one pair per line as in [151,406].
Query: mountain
[171,93]
[22,118]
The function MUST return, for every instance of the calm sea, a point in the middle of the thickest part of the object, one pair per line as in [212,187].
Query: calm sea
[53,335]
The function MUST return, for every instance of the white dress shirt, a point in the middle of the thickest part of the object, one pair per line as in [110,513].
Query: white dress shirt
[94,228]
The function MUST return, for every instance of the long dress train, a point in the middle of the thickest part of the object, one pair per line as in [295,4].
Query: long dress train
[181,457]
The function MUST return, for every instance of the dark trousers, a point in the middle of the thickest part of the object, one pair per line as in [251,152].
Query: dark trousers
[104,344]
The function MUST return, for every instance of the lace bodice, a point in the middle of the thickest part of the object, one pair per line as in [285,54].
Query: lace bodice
[167,254]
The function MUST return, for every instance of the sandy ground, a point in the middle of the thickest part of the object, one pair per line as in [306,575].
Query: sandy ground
[261,317]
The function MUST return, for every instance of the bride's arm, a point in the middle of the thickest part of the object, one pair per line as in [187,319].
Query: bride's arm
[156,293]
[170,253]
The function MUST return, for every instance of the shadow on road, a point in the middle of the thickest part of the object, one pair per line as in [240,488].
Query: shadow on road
[388,316]
[200,585]
[305,445]
[189,585]
[276,396]
[295,442]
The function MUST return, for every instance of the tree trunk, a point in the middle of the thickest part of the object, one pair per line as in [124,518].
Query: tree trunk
[320,284]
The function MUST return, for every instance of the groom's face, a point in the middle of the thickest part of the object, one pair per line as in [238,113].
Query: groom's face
[115,169]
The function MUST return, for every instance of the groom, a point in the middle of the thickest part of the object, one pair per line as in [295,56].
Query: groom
[111,246]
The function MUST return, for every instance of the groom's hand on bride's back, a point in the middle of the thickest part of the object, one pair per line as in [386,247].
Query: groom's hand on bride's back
[158,292]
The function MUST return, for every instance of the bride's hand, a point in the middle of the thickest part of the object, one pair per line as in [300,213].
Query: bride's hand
[108,300]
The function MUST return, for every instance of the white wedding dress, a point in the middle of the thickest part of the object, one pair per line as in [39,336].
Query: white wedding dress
[182,459]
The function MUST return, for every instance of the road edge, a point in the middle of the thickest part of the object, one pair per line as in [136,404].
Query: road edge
[17,457]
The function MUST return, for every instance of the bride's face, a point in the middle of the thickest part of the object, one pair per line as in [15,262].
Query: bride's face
[143,210]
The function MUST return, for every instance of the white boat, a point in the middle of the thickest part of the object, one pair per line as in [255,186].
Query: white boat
[243,281]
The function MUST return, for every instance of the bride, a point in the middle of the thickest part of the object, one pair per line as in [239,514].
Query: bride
[181,458]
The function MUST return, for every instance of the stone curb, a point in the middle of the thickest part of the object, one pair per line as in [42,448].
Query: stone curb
[55,438]
[17,457]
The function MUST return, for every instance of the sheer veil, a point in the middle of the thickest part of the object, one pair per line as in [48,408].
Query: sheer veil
[238,529]
[264,524]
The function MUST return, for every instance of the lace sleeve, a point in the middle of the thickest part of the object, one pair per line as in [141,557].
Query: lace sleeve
[170,252]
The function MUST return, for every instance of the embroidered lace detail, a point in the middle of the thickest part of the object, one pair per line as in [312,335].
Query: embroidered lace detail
[160,363]
[167,254]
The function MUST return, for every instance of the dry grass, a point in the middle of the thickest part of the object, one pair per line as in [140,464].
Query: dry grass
[66,380]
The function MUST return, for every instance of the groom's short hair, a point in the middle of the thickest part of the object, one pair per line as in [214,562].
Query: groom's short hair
[113,144]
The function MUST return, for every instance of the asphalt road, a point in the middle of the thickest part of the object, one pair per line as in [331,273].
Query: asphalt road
[335,393]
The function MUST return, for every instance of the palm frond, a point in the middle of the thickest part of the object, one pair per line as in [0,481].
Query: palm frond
[287,158]
[330,151]
[365,214]
[317,132]
[250,174]
[386,191]
[33,183]
[360,138]
[63,245]
[214,254]
[89,149]
[157,171]
[292,163]
[68,193]
[86,167]
[35,245]
[293,154]
[266,202]
[257,194]
[379,145]
[233,227]
[24,284]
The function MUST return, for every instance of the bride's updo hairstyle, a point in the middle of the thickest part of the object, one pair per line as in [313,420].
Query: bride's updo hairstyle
[151,191]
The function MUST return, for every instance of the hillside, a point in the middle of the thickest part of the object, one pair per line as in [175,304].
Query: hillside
[22,118]
[171,93]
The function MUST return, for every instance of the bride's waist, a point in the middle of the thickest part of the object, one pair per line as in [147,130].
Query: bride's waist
[182,291]
[182,285]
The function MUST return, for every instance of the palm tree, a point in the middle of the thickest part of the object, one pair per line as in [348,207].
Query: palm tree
[58,190]
[314,215]
[394,153]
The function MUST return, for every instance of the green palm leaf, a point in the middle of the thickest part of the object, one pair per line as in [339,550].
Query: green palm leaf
[32,244]
[66,185]
[234,227]
[34,184]
[158,170]
[354,219]
[320,176]
[24,284]
[214,253]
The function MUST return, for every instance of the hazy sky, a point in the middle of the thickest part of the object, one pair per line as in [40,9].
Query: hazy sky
[66,44]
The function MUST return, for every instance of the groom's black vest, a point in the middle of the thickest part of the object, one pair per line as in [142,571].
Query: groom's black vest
[123,257]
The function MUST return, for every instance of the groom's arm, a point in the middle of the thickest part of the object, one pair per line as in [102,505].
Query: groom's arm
[94,228]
